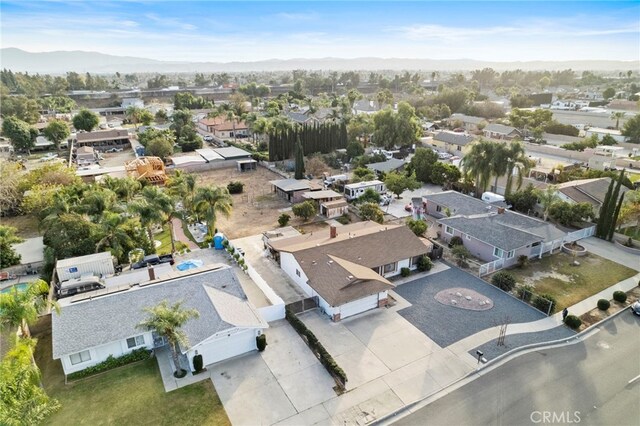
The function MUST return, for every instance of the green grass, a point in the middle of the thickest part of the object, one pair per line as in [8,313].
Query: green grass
[165,239]
[633,232]
[555,275]
[633,177]
[130,395]
[26,225]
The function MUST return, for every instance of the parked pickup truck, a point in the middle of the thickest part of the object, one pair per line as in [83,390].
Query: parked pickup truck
[153,259]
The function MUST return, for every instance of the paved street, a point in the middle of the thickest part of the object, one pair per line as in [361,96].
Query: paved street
[586,383]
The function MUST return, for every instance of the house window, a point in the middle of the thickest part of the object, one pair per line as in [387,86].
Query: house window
[83,356]
[448,230]
[297,272]
[390,267]
[132,342]
[438,208]
[498,252]
[415,260]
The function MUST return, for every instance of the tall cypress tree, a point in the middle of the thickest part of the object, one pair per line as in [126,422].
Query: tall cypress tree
[299,171]
[614,219]
[600,227]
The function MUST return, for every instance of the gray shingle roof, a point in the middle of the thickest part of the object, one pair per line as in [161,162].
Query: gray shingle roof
[459,204]
[461,139]
[386,166]
[297,117]
[111,318]
[466,118]
[499,128]
[490,231]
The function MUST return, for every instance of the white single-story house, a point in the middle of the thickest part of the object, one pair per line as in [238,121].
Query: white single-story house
[92,327]
[336,208]
[600,133]
[355,190]
[346,268]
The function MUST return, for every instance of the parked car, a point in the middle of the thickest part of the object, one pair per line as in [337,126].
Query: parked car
[208,138]
[114,149]
[635,308]
[153,259]
[78,286]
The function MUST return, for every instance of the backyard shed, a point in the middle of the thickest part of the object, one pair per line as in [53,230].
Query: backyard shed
[96,264]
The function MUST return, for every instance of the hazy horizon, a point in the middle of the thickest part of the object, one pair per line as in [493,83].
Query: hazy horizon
[248,31]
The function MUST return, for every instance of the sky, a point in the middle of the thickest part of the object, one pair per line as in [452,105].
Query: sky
[212,31]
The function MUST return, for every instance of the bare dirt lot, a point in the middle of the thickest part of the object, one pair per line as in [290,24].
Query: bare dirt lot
[255,210]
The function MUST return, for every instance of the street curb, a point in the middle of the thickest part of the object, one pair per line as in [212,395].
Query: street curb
[497,362]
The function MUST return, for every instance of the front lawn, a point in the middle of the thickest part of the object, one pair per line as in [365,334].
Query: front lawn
[133,394]
[555,275]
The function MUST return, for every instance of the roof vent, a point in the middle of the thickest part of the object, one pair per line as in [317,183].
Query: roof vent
[314,262]
[350,277]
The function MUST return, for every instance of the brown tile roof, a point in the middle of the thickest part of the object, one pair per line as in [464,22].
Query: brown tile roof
[106,135]
[313,239]
[221,123]
[338,268]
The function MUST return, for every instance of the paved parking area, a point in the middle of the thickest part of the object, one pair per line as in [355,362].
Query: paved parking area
[448,324]
[396,207]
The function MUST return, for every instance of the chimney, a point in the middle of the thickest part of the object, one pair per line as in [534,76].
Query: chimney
[333,231]
[152,273]
[500,210]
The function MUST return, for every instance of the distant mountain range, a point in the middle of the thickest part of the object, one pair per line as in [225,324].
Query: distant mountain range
[80,61]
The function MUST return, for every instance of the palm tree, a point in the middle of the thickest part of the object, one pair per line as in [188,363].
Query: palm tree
[115,230]
[617,115]
[99,201]
[133,114]
[168,320]
[155,206]
[211,200]
[125,188]
[546,198]
[477,164]
[183,186]
[21,308]
[498,162]
[516,159]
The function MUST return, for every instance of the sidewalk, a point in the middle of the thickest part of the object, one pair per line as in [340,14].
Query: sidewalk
[165,364]
[611,252]
[178,234]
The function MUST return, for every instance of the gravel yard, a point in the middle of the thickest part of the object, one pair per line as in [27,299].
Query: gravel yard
[448,324]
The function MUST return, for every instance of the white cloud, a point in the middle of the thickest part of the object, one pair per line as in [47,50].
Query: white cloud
[298,16]
[170,22]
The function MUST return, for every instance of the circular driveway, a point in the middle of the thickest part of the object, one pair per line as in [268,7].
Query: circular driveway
[447,324]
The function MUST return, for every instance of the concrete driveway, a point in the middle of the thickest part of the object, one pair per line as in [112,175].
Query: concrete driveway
[396,207]
[268,269]
[270,386]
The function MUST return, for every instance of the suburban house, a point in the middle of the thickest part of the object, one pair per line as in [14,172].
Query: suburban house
[391,165]
[600,133]
[346,268]
[469,122]
[292,190]
[365,106]
[85,155]
[332,209]
[104,140]
[300,117]
[430,127]
[500,131]
[355,190]
[92,327]
[319,197]
[592,191]
[491,232]
[452,142]
[132,102]
[224,128]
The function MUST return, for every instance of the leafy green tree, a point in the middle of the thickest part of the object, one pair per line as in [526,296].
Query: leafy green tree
[20,134]
[422,163]
[22,400]
[161,116]
[371,211]
[58,104]
[444,174]
[417,226]
[631,129]
[21,308]
[363,174]
[547,198]
[57,131]
[397,183]
[160,147]
[21,107]
[461,253]
[609,93]
[211,200]
[396,129]
[168,320]
[370,195]
[523,200]
[283,219]
[8,237]
[617,115]
[568,214]
[305,210]
[354,149]
[86,120]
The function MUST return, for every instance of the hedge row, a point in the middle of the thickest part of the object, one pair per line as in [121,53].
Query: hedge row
[325,357]
[111,362]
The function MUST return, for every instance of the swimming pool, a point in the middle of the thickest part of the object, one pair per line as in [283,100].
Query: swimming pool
[20,287]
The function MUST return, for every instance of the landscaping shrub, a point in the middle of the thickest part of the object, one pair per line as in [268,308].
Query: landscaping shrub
[541,302]
[344,219]
[261,342]
[461,254]
[603,304]
[225,243]
[620,296]
[523,260]
[235,187]
[112,362]
[503,280]
[455,241]
[283,220]
[525,292]
[197,363]
[405,272]
[424,264]
[325,357]
[572,321]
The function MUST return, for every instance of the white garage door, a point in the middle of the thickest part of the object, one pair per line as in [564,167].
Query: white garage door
[357,306]
[227,347]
